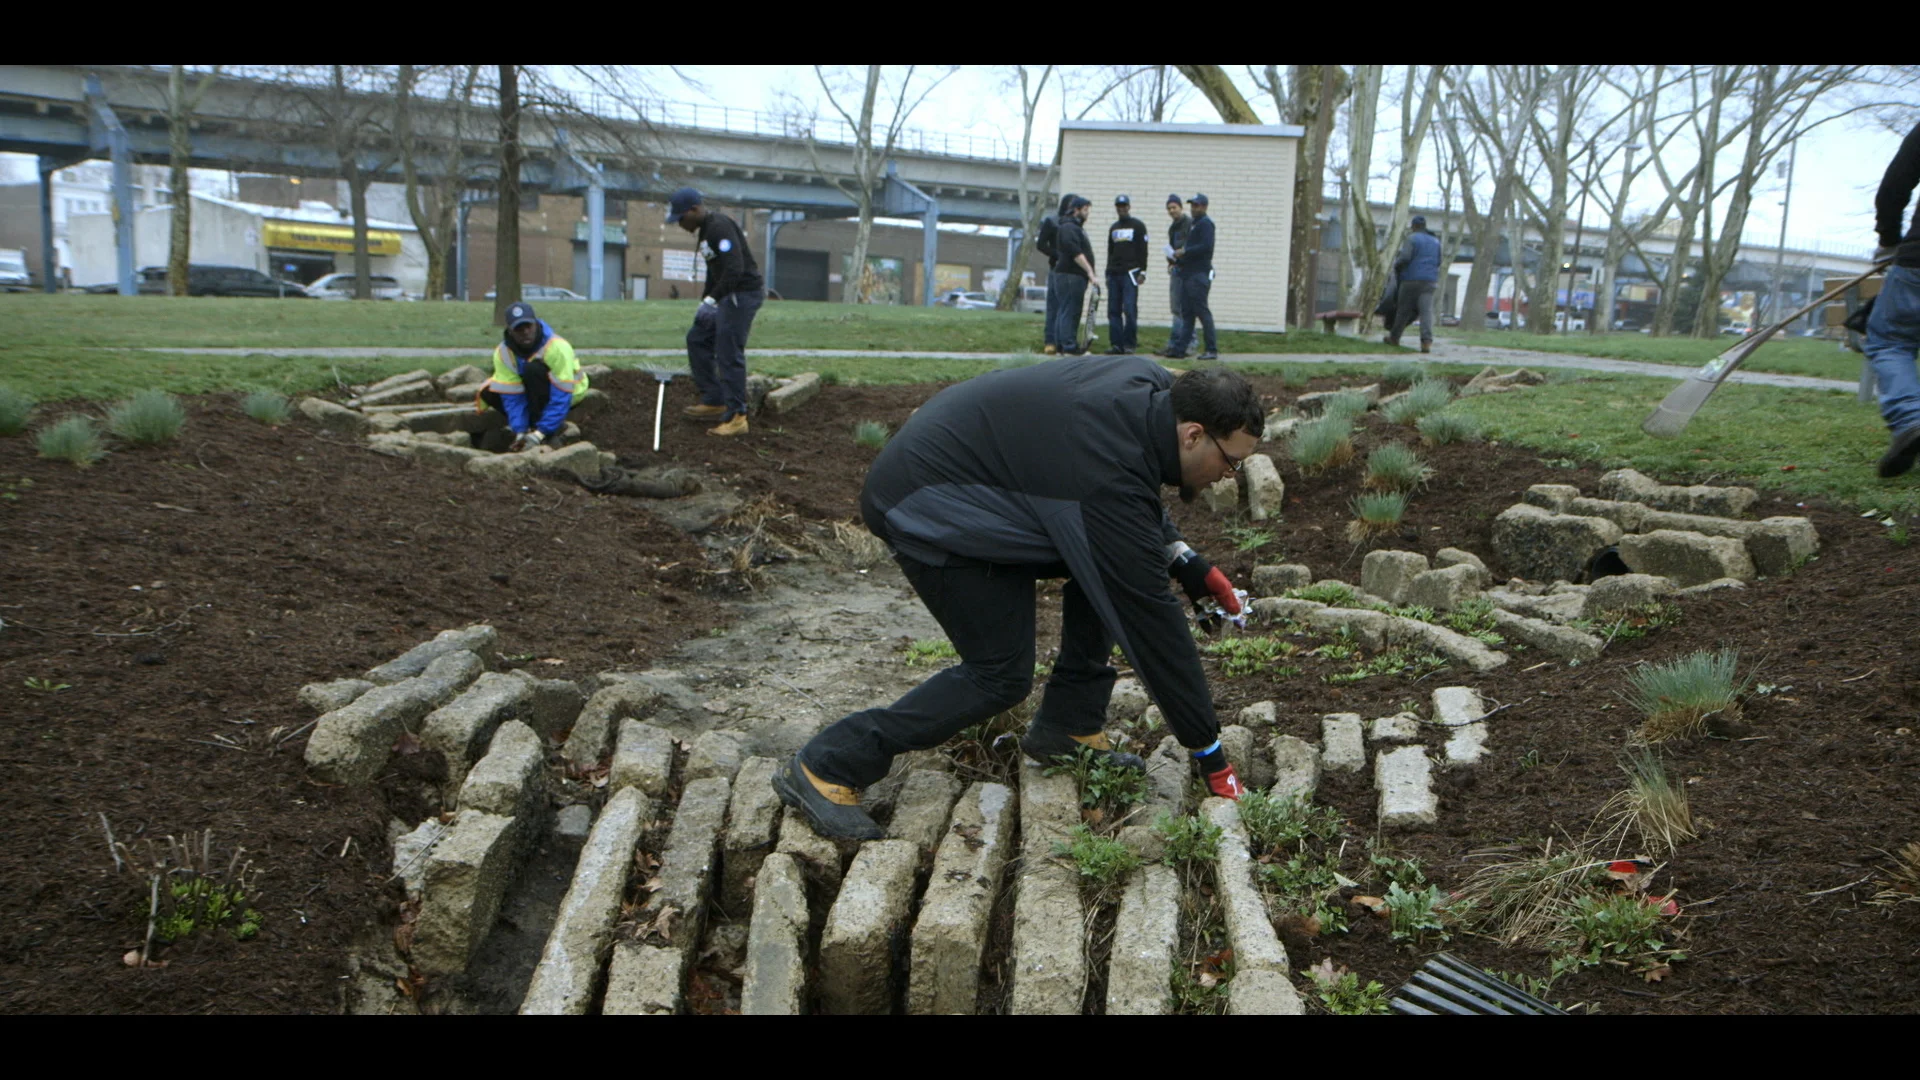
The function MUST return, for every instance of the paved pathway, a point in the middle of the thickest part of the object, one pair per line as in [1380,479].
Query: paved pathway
[1443,352]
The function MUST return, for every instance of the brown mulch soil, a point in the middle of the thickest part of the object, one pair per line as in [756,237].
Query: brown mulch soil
[265,559]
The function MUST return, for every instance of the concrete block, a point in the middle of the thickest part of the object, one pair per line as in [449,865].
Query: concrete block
[570,964]
[856,947]
[1553,497]
[324,697]
[620,699]
[1444,590]
[776,975]
[1450,557]
[817,855]
[1631,516]
[352,744]
[1781,543]
[1140,967]
[1458,648]
[501,467]
[1262,984]
[335,418]
[1559,608]
[580,460]
[791,393]
[509,780]
[642,758]
[920,811]
[1266,493]
[479,639]
[644,980]
[1272,609]
[1129,700]
[1389,574]
[950,935]
[1399,728]
[553,704]
[1255,770]
[405,378]
[467,874]
[1687,558]
[419,390]
[462,728]
[572,824]
[753,823]
[686,866]
[1260,714]
[1343,746]
[1466,745]
[1369,628]
[1404,779]
[715,753]
[1296,767]
[1049,957]
[1273,580]
[1632,486]
[1544,546]
[452,419]
[1168,773]
[1545,636]
[1454,706]
[461,375]
[1223,495]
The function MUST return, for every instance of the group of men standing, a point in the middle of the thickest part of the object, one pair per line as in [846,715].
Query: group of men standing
[1189,258]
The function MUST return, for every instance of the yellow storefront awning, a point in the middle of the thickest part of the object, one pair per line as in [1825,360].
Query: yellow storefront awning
[300,236]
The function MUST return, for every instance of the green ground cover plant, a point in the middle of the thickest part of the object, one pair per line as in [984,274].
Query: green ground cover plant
[1424,398]
[871,434]
[1681,697]
[148,418]
[1101,861]
[930,652]
[1395,467]
[1253,655]
[1330,593]
[76,439]
[1447,426]
[1376,514]
[15,407]
[1346,405]
[1319,445]
[1248,537]
[1652,806]
[1399,374]
[269,407]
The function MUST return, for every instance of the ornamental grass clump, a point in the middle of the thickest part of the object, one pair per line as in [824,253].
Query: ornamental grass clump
[266,406]
[1395,467]
[1520,895]
[1345,405]
[14,409]
[1442,428]
[1398,374]
[1426,397]
[74,439]
[148,418]
[1682,697]
[1319,445]
[871,434]
[1376,514]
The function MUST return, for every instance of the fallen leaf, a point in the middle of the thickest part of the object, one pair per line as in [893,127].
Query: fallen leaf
[1373,904]
[1094,816]
[1657,972]
[407,743]
[1208,980]
[1788,468]
[1325,973]
[1219,961]
[403,986]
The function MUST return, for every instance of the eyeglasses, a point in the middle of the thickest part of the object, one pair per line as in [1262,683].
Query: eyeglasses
[1233,463]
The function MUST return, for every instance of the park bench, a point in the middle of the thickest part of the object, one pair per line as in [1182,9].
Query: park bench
[1345,323]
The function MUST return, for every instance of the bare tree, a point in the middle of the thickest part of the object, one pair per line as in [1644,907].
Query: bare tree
[434,200]
[871,150]
[1220,92]
[506,261]
[1360,242]
[181,105]
[1565,93]
[1693,194]
[1308,95]
[1496,109]
[1414,124]
[1147,94]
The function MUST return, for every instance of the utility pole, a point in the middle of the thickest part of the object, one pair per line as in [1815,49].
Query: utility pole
[1780,253]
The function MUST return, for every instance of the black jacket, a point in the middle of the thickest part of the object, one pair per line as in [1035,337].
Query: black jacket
[1072,241]
[1058,465]
[730,265]
[1045,241]
[1126,245]
[1896,188]
[1177,236]
[1196,255]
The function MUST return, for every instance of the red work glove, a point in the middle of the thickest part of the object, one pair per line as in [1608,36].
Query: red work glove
[1221,779]
[1201,579]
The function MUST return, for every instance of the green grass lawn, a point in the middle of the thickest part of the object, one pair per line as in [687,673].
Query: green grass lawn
[1782,356]
[1821,443]
[67,321]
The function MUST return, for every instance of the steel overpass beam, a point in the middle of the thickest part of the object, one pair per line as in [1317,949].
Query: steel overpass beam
[110,135]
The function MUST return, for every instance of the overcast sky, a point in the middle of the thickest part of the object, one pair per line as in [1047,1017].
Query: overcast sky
[1835,176]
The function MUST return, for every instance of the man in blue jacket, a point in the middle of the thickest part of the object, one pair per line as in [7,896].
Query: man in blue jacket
[1893,330]
[535,379]
[1194,264]
[1417,265]
[1048,471]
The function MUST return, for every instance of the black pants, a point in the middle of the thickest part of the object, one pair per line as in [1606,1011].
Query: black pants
[534,377]
[717,349]
[1195,286]
[988,614]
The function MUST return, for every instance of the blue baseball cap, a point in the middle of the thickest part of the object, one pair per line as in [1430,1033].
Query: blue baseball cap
[682,201]
[1420,220]
[1200,200]
[520,312]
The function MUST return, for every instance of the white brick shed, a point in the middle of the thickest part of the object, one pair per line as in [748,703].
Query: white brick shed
[1246,171]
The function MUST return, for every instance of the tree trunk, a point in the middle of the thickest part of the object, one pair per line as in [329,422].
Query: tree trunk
[1316,97]
[506,259]
[1361,244]
[179,153]
[1486,249]
[357,182]
[1225,98]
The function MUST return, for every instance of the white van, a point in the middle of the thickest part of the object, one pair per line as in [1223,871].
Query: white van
[1033,300]
[13,270]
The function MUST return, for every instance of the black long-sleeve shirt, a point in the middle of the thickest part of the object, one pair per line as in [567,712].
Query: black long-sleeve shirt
[1197,254]
[1071,241]
[1058,463]
[730,265]
[1126,245]
[1896,188]
[1177,237]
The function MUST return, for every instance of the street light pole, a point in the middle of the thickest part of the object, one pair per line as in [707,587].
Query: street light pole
[1780,252]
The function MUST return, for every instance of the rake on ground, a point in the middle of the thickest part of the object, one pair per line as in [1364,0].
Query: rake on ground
[663,376]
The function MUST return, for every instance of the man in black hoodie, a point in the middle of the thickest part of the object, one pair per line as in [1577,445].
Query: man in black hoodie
[717,343]
[1072,272]
[1047,471]
[1046,242]
[1126,270]
[1893,330]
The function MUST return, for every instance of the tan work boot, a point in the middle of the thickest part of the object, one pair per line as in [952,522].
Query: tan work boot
[703,412]
[832,809]
[1044,744]
[735,426]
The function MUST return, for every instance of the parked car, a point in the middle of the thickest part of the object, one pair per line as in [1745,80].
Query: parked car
[13,270]
[1560,322]
[340,287]
[209,281]
[1738,329]
[534,294]
[968,301]
[1033,300]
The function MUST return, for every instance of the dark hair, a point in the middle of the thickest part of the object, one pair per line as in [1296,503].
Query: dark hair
[1066,202]
[1220,400]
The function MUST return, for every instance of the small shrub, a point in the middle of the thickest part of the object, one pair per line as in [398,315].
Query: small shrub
[74,439]
[1190,840]
[1273,821]
[1340,991]
[1442,428]
[267,406]
[1652,805]
[1424,398]
[927,652]
[1103,785]
[830,378]
[1623,925]
[14,409]
[1397,661]
[1240,656]
[148,418]
[1680,697]
[1395,467]
[871,434]
[1400,870]
[1345,405]
[1398,374]
[1633,622]
[1322,444]
[1102,862]
[1376,514]
[1330,593]
[1414,915]
[1248,538]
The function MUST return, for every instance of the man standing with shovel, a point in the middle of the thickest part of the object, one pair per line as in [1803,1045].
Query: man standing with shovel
[717,343]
